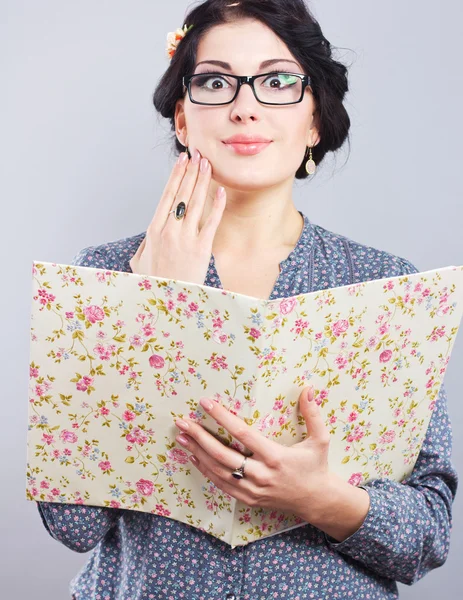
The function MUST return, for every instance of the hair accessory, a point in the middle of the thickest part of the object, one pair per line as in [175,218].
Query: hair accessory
[310,165]
[174,38]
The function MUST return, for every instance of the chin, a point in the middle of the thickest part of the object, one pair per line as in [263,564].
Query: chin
[249,179]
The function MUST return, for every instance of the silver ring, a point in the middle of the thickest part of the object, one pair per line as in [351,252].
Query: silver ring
[239,473]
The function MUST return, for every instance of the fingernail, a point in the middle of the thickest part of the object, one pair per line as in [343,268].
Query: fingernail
[182,159]
[194,460]
[221,192]
[206,404]
[182,425]
[196,157]
[310,394]
[182,439]
[204,165]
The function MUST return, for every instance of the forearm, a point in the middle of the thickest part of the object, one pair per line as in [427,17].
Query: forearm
[339,510]
[406,531]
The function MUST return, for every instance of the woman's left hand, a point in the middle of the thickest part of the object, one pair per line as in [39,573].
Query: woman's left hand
[277,476]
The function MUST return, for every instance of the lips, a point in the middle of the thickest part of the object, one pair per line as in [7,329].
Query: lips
[247,145]
[247,139]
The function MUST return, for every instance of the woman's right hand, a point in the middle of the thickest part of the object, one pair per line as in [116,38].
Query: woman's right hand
[175,249]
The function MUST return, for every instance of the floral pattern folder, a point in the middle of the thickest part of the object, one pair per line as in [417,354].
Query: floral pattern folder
[116,357]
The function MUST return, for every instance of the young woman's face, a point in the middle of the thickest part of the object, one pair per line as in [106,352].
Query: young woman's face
[244,45]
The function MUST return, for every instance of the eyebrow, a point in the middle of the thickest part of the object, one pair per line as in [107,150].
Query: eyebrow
[264,65]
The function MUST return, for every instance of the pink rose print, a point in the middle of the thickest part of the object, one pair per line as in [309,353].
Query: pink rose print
[352,417]
[48,439]
[137,436]
[287,306]
[145,283]
[104,465]
[145,487]
[355,479]
[340,327]
[384,328]
[218,337]
[33,373]
[156,361]
[161,510]
[322,395]
[104,352]
[45,297]
[68,437]
[178,455]
[255,333]
[385,356]
[341,361]
[83,384]
[372,342]
[388,437]
[94,313]
[218,363]
[437,333]
[101,277]
[137,341]
[129,415]
[148,330]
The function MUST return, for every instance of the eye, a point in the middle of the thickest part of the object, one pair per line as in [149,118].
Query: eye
[280,81]
[211,82]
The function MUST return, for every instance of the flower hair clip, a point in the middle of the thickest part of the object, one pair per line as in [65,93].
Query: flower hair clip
[174,38]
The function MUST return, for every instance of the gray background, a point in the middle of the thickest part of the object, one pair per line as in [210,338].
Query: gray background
[84,160]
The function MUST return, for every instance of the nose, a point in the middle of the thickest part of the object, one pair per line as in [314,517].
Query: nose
[245,106]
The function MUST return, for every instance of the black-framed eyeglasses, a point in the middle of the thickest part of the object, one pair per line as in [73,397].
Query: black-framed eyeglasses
[276,88]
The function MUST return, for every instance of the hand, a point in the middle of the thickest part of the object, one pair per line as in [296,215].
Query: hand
[177,249]
[278,477]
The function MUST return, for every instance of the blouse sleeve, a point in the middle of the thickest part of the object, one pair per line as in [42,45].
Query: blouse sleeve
[407,530]
[79,527]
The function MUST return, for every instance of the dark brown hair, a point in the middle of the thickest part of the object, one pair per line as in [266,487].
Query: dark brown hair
[291,21]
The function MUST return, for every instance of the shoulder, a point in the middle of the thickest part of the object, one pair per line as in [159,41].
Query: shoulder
[114,255]
[364,262]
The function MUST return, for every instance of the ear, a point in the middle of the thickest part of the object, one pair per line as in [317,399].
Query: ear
[314,134]
[180,122]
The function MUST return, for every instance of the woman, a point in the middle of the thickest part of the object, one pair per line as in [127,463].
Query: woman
[227,219]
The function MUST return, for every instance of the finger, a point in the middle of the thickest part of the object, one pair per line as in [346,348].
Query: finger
[199,195]
[253,440]
[170,191]
[187,185]
[316,428]
[140,250]
[207,448]
[212,223]
[227,486]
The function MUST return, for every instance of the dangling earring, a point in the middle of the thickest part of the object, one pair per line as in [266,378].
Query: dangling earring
[310,165]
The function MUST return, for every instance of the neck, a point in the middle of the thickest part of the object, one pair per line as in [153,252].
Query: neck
[256,221]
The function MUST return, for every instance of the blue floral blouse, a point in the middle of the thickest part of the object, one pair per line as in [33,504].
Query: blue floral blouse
[141,556]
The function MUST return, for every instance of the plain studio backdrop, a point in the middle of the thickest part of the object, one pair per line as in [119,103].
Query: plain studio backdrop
[85,159]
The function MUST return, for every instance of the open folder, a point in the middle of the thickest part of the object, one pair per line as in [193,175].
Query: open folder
[116,358]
